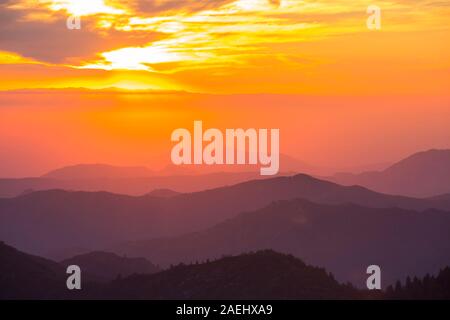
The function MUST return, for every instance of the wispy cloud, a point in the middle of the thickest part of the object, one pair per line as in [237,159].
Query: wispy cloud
[170,37]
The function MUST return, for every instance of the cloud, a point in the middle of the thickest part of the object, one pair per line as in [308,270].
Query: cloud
[34,31]
[145,7]
[173,35]
[49,40]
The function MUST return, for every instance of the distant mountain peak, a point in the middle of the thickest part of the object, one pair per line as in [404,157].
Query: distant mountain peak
[98,170]
[262,274]
[163,193]
[107,265]
[422,174]
[428,159]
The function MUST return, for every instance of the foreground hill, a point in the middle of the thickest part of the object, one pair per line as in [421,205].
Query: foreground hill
[429,287]
[423,174]
[344,239]
[23,276]
[260,275]
[49,221]
[108,266]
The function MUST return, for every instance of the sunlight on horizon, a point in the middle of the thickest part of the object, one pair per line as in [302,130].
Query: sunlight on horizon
[308,47]
[84,7]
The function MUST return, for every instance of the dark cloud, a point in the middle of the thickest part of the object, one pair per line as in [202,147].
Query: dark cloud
[158,6]
[51,41]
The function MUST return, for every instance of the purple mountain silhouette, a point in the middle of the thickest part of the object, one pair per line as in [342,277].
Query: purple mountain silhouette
[47,222]
[344,239]
[423,174]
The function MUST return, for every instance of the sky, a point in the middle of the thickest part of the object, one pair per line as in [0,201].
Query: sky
[341,94]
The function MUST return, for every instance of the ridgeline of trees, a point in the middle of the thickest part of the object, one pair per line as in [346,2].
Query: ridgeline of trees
[264,274]
[430,287]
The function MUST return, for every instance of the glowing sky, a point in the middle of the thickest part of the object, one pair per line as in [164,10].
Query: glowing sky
[278,46]
[341,94]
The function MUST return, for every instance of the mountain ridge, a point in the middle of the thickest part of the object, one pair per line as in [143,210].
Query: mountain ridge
[106,266]
[423,174]
[46,222]
[98,170]
[318,233]
[258,275]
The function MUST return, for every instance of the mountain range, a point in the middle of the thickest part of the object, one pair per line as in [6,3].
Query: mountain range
[120,183]
[344,238]
[48,221]
[259,275]
[423,174]
[24,276]
[139,180]
[263,275]
[98,171]
[343,228]
[106,266]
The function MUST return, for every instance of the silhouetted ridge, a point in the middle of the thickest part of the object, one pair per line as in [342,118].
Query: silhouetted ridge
[96,171]
[257,275]
[261,275]
[343,238]
[126,184]
[108,266]
[423,174]
[429,287]
[164,193]
[425,159]
[96,220]
[24,276]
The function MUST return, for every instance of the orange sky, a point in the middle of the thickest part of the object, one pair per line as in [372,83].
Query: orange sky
[340,88]
[276,46]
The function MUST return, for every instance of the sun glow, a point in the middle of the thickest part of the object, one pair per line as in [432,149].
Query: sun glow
[84,7]
[137,58]
[134,85]
[212,37]
[305,45]
[12,58]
